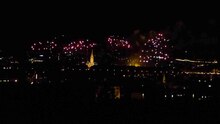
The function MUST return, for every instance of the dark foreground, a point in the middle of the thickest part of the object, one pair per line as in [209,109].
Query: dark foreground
[64,104]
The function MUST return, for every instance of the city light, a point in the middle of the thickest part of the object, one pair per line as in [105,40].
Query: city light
[202,73]
[44,46]
[197,61]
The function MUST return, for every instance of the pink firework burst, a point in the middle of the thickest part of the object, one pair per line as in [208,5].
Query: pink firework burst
[78,46]
[155,49]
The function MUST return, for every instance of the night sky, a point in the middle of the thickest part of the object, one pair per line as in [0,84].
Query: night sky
[40,21]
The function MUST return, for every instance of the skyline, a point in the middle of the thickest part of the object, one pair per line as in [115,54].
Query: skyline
[116,62]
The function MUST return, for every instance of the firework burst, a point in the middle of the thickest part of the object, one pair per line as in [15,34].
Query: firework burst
[155,49]
[78,46]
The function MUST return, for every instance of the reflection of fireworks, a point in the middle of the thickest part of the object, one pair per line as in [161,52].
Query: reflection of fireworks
[78,46]
[155,49]
[44,46]
[118,42]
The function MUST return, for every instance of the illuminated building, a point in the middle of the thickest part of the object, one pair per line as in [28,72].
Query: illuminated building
[91,62]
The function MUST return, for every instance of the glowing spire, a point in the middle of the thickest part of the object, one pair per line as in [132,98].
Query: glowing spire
[91,62]
[92,57]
